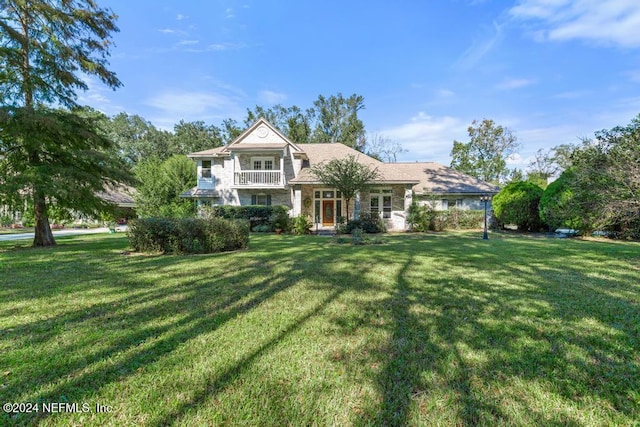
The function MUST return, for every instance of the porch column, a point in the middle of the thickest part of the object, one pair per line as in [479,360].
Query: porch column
[408,200]
[297,200]
[282,180]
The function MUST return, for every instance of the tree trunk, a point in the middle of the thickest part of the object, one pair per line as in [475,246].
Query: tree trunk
[347,202]
[43,235]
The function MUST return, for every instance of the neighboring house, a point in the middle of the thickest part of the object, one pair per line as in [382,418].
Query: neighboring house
[263,167]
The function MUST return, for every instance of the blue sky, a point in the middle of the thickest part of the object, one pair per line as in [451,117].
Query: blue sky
[553,71]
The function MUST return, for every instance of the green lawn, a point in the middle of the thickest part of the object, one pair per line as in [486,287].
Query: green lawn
[436,329]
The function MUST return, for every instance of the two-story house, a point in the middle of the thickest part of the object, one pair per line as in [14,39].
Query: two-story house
[263,167]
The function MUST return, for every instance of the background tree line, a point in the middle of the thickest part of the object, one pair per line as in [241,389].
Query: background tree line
[596,186]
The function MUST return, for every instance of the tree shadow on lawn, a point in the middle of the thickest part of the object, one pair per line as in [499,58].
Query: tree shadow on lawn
[459,335]
[454,333]
[203,294]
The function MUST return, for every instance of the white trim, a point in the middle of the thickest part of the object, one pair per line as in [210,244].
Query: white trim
[262,160]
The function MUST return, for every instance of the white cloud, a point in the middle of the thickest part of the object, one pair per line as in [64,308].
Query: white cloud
[480,48]
[633,75]
[225,46]
[181,17]
[610,22]
[427,138]
[96,96]
[509,84]
[187,42]
[270,97]
[445,93]
[172,106]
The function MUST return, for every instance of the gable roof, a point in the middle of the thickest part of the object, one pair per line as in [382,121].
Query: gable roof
[239,143]
[435,178]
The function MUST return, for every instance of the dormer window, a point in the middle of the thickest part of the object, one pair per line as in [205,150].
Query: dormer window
[206,169]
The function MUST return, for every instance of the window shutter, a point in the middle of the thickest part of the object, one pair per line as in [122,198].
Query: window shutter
[253,200]
[268,199]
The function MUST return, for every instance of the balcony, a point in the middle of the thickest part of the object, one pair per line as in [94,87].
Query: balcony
[258,179]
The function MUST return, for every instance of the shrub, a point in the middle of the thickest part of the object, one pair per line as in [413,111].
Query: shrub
[517,203]
[426,218]
[558,208]
[255,214]
[366,222]
[280,219]
[463,219]
[301,225]
[261,229]
[6,220]
[187,235]
[358,236]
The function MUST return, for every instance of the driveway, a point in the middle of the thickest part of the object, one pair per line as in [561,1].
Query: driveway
[56,233]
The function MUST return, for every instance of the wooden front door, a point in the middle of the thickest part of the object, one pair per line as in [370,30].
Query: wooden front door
[327,212]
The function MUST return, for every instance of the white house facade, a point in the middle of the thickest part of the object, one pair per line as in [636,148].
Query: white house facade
[263,167]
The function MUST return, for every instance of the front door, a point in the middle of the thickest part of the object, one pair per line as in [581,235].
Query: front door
[327,212]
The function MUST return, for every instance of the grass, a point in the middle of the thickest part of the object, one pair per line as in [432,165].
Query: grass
[435,329]
[8,230]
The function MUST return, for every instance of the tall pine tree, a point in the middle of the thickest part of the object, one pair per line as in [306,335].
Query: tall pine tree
[47,48]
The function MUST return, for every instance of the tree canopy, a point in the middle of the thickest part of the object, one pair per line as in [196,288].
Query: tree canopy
[347,175]
[485,155]
[53,155]
[606,181]
[161,183]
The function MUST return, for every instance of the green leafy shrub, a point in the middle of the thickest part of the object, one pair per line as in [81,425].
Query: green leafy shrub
[301,225]
[6,221]
[187,235]
[460,219]
[358,236]
[280,219]
[255,214]
[517,203]
[366,222]
[426,218]
[558,209]
[261,228]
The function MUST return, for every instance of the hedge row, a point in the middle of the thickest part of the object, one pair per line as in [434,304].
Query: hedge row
[257,215]
[425,218]
[187,235]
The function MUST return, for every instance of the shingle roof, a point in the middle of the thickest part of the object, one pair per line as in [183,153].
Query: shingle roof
[207,153]
[121,195]
[195,192]
[436,178]
[321,153]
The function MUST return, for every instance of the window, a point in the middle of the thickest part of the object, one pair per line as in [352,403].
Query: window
[381,202]
[445,204]
[386,207]
[262,163]
[316,215]
[459,203]
[206,169]
[375,205]
[261,199]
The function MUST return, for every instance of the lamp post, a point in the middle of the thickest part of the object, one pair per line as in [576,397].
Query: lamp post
[485,199]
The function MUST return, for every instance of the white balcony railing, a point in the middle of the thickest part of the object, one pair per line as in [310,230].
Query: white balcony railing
[258,179]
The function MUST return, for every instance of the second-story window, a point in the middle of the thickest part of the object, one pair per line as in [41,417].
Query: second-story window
[206,169]
[262,163]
